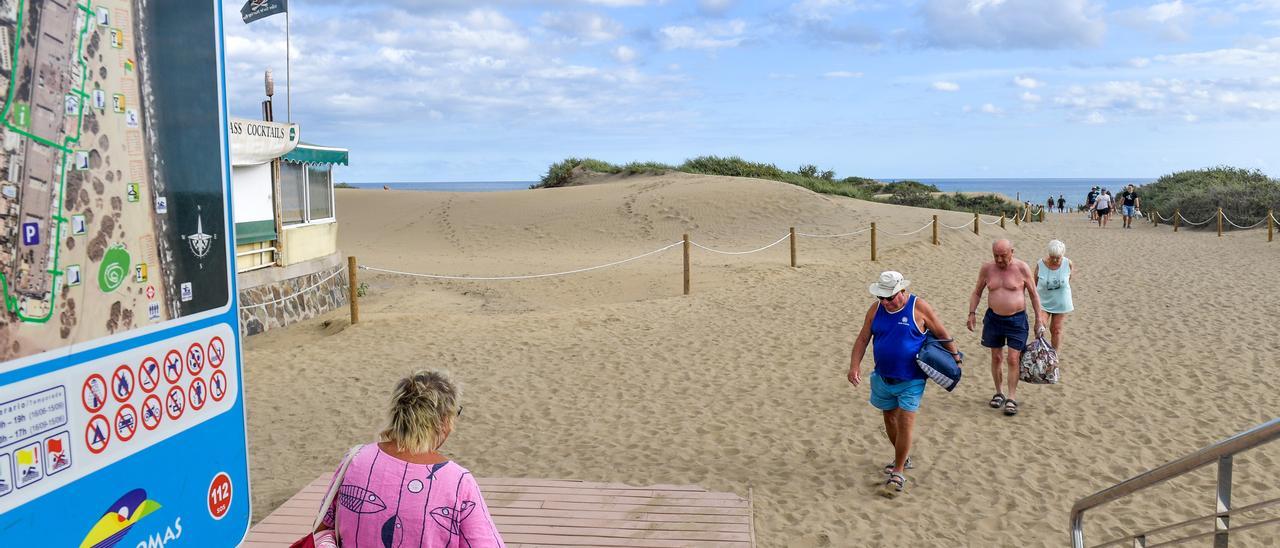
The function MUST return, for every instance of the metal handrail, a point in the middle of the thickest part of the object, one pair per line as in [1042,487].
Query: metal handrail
[1220,452]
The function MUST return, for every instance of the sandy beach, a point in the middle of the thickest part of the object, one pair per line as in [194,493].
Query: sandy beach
[614,375]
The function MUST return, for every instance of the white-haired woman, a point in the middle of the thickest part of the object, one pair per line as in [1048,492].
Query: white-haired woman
[402,492]
[1053,282]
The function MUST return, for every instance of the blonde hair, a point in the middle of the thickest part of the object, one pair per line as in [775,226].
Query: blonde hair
[422,409]
[1057,248]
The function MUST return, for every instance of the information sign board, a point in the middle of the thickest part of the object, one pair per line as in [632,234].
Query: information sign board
[121,405]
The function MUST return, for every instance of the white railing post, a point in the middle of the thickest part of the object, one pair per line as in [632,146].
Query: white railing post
[1223,523]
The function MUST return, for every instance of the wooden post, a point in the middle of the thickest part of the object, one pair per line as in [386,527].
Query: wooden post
[1042,215]
[1001,219]
[1177,216]
[1271,221]
[1155,217]
[1219,222]
[352,290]
[686,264]
[1017,219]
[935,230]
[975,222]
[873,242]
[793,247]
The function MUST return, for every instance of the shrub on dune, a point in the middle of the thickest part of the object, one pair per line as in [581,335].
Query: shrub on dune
[1244,195]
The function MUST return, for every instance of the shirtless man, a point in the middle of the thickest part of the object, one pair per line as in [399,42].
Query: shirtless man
[1005,323]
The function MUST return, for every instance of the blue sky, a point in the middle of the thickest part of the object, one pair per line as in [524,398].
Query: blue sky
[457,90]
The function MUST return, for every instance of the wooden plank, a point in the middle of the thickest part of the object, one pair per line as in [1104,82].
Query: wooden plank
[557,483]
[636,516]
[621,523]
[642,501]
[590,488]
[626,533]
[695,510]
[568,540]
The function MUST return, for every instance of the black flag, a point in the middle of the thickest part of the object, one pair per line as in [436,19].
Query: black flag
[254,10]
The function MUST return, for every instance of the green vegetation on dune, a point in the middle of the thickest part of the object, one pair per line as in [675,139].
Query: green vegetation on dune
[1244,195]
[908,193]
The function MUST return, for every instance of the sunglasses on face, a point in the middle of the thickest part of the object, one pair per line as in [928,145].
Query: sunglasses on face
[887,299]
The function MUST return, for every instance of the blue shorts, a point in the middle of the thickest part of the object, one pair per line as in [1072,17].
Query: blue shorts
[1128,211]
[1010,331]
[890,395]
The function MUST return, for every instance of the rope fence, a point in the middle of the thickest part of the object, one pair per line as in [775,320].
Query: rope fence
[1179,219]
[297,293]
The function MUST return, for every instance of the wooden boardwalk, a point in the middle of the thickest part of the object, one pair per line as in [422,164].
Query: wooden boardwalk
[533,512]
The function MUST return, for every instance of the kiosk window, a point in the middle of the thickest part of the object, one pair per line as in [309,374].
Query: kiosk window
[319,193]
[292,193]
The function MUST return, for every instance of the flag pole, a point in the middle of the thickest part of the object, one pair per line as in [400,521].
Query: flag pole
[288,78]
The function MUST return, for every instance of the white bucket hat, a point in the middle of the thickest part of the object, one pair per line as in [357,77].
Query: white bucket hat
[890,283]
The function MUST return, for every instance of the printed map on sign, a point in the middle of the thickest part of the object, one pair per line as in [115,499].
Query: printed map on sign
[104,215]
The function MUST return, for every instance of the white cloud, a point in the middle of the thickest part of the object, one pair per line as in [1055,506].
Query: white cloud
[842,74]
[988,108]
[590,28]
[1029,97]
[715,7]
[1095,118]
[1012,24]
[1169,20]
[624,54]
[710,37]
[830,22]
[1027,82]
[945,86]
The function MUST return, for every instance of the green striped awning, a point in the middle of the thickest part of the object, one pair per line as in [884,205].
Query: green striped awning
[307,153]
[255,231]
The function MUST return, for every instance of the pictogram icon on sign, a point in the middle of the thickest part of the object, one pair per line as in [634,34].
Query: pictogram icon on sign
[149,374]
[151,292]
[152,412]
[219,495]
[195,359]
[94,393]
[217,350]
[97,434]
[197,393]
[173,367]
[122,383]
[175,403]
[218,385]
[126,422]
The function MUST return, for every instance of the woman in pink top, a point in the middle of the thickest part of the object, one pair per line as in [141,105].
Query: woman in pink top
[401,492]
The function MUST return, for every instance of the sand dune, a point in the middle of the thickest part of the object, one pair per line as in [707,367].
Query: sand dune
[613,375]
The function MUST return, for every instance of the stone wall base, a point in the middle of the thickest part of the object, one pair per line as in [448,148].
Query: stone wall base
[292,300]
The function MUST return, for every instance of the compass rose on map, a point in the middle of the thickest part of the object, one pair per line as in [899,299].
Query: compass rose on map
[199,242]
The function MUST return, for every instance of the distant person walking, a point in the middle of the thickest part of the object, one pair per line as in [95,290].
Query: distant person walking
[1053,283]
[1090,202]
[896,324]
[1129,204]
[1004,325]
[1048,204]
[1103,206]
[1062,204]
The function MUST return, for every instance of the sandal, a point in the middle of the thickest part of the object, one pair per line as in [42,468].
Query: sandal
[1010,407]
[996,401]
[888,468]
[894,486]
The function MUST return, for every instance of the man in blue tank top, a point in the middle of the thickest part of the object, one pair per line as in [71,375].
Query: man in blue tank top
[896,323]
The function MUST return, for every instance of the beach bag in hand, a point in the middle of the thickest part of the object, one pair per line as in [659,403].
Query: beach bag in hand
[1039,362]
[309,541]
[937,362]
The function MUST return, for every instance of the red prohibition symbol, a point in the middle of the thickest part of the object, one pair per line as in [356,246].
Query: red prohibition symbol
[173,367]
[195,359]
[175,403]
[217,351]
[197,393]
[94,393]
[97,434]
[218,385]
[149,375]
[152,412]
[126,422]
[122,383]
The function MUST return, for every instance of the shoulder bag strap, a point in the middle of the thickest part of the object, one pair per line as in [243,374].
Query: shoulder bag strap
[333,491]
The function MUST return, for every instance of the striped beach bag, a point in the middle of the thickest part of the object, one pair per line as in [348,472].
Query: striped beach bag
[937,362]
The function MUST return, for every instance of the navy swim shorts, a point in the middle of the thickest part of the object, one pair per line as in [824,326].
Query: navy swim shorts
[1010,331]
